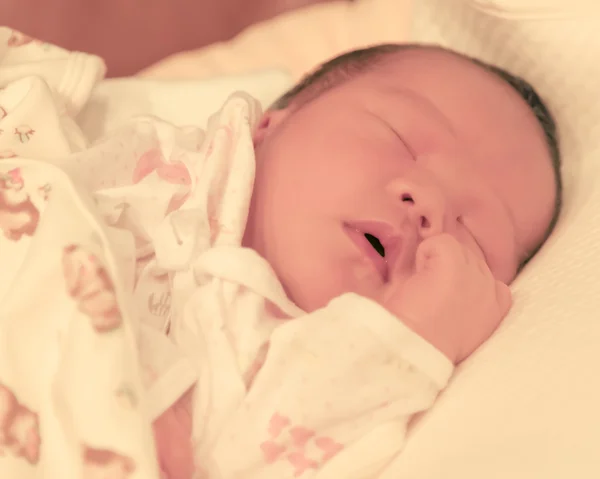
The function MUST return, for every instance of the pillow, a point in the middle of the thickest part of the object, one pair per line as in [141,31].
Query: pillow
[181,102]
[527,404]
[295,41]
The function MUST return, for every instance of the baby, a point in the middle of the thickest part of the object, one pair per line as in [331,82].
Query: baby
[274,297]
[419,181]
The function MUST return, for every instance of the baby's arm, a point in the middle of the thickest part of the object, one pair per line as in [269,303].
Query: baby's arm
[333,397]
[173,438]
[338,386]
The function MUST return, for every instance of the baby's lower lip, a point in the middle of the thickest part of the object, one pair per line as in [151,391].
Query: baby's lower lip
[363,245]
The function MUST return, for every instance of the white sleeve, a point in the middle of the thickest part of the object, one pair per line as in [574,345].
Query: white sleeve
[333,397]
[70,75]
[42,88]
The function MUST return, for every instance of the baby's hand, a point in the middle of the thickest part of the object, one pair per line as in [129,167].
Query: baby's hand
[172,436]
[452,300]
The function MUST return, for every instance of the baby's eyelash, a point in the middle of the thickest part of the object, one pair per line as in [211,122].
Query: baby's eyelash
[412,154]
[401,138]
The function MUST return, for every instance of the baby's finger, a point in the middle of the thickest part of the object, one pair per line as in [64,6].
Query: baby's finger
[504,298]
[426,256]
[482,265]
[447,252]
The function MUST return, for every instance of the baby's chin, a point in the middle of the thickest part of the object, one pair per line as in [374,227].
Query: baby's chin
[309,297]
[316,293]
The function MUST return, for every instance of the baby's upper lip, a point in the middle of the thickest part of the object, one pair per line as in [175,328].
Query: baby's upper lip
[387,235]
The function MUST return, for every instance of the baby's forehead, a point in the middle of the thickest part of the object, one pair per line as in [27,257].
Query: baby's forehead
[475,99]
[438,68]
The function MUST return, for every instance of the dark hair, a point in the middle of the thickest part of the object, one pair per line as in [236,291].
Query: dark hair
[346,66]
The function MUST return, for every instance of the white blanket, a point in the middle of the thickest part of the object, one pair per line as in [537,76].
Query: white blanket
[72,301]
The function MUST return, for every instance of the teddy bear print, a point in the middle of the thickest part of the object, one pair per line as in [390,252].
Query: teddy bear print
[89,283]
[18,214]
[104,464]
[19,428]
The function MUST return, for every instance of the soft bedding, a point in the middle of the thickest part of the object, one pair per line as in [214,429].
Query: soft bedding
[526,405]
[295,41]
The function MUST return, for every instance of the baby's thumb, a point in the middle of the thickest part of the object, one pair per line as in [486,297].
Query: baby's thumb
[427,255]
[504,297]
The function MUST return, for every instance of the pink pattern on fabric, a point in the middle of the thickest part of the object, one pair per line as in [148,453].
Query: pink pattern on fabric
[216,228]
[153,160]
[277,424]
[271,451]
[19,428]
[296,445]
[174,172]
[329,447]
[301,463]
[5,154]
[18,214]
[105,464]
[16,177]
[88,282]
[18,39]
[300,436]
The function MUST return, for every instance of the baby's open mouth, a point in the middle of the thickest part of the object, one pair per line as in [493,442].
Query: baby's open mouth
[376,244]
[371,244]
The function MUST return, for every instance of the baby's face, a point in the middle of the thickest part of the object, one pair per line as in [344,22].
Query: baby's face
[428,143]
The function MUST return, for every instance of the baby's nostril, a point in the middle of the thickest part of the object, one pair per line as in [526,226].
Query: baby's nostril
[425,222]
[406,197]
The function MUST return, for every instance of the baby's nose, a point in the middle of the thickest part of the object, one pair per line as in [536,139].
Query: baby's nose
[426,211]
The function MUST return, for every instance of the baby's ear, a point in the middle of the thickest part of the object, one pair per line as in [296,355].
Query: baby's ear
[268,122]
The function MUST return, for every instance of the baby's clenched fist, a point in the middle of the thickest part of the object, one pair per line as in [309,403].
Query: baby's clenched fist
[452,300]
